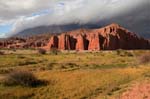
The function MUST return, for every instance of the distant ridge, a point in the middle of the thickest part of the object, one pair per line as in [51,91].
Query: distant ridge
[52,29]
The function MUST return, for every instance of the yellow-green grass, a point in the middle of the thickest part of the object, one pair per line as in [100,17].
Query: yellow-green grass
[73,75]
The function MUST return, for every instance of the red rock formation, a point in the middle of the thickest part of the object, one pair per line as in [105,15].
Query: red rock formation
[80,45]
[111,37]
[94,42]
[62,42]
[35,41]
[53,43]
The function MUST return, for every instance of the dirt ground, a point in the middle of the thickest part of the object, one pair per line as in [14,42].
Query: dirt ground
[138,91]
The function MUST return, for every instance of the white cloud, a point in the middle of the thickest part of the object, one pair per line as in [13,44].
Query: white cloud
[3,35]
[57,12]
[22,7]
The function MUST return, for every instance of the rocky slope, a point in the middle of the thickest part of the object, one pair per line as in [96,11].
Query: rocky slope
[111,37]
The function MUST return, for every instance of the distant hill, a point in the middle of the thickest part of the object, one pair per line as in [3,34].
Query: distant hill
[69,27]
[53,29]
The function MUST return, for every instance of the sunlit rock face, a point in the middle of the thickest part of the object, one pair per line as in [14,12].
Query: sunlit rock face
[111,37]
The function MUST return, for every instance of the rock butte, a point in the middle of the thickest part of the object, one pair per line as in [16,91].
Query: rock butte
[111,37]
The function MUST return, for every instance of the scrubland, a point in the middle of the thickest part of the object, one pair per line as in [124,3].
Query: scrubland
[72,74]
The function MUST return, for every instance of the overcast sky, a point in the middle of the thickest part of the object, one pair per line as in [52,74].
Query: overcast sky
[17,15]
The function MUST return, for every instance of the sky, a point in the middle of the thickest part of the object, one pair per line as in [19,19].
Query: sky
[18,15]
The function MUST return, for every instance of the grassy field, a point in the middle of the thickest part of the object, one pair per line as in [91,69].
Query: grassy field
[73,75]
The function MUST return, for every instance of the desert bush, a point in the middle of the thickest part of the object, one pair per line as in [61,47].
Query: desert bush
[72,64]
[5,71]
[14,50]
[42,51]
[121,52]
[1,53]
[145,58]
[68,65]
[51,66]
[26,62]
[54,51]
[23,78]
[130,54]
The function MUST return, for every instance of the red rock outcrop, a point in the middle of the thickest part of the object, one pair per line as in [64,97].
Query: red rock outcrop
[111,37]
[53,43]
[94,42]
[80,45]
[35,41]
[64,42]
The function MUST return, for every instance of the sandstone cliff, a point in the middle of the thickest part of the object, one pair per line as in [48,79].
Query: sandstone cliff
[111,37]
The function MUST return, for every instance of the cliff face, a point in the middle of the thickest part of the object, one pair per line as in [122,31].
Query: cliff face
[111,37]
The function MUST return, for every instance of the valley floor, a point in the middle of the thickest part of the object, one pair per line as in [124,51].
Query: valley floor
[78,75]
